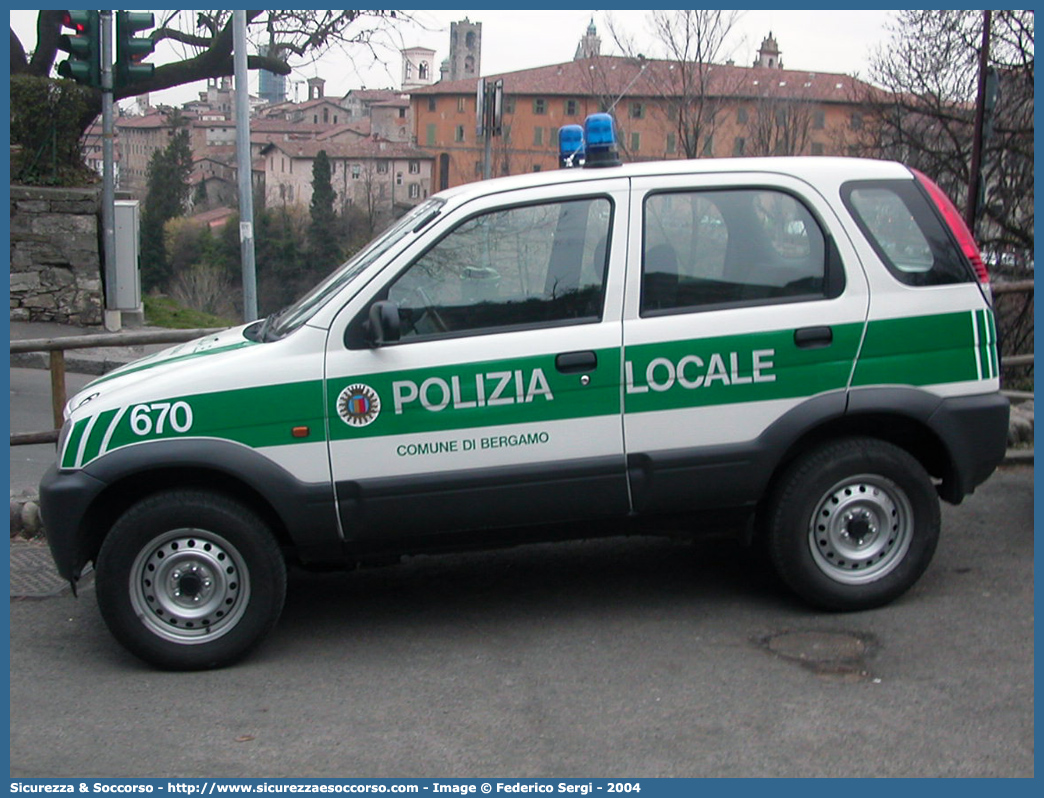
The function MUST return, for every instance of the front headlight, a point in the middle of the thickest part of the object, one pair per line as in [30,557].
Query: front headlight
[76,402]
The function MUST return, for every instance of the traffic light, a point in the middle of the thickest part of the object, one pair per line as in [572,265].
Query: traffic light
[130,50]
[83,47]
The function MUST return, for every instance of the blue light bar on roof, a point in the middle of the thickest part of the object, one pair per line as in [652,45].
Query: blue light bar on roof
[600,139]
[570,146]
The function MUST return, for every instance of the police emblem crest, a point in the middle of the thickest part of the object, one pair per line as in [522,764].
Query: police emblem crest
[358,405]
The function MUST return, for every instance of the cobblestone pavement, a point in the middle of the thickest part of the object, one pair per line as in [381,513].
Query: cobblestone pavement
[33,574]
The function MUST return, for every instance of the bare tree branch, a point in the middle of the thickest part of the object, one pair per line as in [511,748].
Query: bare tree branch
[930,70]
[290,35]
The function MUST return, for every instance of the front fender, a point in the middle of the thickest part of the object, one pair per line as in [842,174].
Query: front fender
[72,502]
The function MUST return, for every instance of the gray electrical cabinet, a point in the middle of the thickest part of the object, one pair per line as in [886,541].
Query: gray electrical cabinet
[127,293]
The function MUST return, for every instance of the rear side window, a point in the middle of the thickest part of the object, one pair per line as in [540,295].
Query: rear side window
[906,233]
[707,249]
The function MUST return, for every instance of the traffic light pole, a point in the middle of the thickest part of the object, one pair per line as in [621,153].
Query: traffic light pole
[111,316]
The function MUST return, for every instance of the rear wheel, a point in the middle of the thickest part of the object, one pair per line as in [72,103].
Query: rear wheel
[853,524]
[190,580]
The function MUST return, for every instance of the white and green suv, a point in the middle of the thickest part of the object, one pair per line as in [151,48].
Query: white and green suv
[800,350]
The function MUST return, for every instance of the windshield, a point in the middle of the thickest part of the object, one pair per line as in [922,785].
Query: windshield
[296,314]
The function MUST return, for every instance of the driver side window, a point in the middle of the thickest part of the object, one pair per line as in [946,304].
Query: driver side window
[522,266]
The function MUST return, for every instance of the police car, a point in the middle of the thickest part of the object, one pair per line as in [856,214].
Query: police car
[798,350]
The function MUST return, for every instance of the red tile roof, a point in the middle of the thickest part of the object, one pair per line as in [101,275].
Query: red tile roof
[360,128]
[364,148]
[613,75]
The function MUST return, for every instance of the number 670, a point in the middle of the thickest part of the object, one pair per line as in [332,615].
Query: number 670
[178,415]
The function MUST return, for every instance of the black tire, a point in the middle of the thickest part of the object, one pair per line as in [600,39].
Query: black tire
[189,580]
[853,524]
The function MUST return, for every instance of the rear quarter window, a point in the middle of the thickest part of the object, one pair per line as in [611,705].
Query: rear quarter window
[906,233]
[714,248]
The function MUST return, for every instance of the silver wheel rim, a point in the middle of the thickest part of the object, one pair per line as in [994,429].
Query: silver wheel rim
[189,586]
[861,529]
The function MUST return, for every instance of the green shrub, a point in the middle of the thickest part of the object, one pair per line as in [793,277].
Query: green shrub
[162,311]
[46,128]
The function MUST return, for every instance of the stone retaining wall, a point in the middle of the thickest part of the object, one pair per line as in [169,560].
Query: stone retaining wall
[55,255]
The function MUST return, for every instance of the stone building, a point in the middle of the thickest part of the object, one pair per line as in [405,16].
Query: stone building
[745,111]
[465,50]
[418,68]
[381,176]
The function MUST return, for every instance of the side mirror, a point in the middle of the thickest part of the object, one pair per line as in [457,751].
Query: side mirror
[383,324]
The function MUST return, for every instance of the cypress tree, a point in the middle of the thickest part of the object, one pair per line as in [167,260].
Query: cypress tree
[322,233]
[167,193]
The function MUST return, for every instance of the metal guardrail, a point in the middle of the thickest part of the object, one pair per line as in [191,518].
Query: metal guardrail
[1014,287]
[57,347]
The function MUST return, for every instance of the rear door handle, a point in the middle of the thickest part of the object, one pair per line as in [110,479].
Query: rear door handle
[813,337]
[576,362]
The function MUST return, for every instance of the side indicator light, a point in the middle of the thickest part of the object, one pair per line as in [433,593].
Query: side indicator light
[300,432]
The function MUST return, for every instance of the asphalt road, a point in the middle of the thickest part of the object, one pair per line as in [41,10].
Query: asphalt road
[31,412]
[634,658]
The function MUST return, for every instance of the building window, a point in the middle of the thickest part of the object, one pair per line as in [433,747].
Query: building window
[414,167]
[637,111]
[461,104]
[536,167]
[356,171]
[432,103]
[636,142]
[509,105]
[818,120]
[538,137]
[478,169]
[422,71]
[402,114]
[540,106]
[672,143]
[738,146]
[414,191]
[857,121]
[741,116]
[430,134]
[398,178]
[817,148]
[382,167]
[572,107]
[459,135]
[708,147]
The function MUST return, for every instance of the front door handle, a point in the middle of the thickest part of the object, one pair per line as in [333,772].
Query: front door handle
[576,362]
[813,337]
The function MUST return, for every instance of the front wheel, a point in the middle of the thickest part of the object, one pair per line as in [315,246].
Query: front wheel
[853,524]
[188,580]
